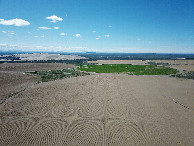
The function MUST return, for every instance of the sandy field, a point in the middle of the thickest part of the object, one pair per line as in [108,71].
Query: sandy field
[14,82]
[13,79]
[101,110]
[23,67]
[187,65]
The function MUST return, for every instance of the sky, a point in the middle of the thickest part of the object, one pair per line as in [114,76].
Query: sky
[130,26]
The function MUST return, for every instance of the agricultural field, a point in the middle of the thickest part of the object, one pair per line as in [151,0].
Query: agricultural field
[101,110]
[70,107]
[27,67]
[130,69]
[181,65]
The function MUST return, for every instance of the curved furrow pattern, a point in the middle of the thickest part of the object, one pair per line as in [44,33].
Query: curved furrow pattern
[84,132]
[43,132]
[124,133]
[94,108]
[13,129]
[117,107]
[150,133]
[160,133]
[26,107]
[63,110]
[37,109]
[46,132]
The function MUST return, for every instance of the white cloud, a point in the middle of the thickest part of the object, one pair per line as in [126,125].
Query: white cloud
[93,31]
[44,28]
[3,44]
[63,34]
[107,36]
[35,36]
[54,18]
[66,15]
[45,48]
[11,33]
[15,22]
[77,35]
[56,27]
[109,26]
[8,32]
[138,39]
[97,38]
[43,36]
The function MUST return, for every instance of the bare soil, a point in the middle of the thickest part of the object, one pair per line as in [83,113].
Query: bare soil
[13,78]
[101,109]
[23,67]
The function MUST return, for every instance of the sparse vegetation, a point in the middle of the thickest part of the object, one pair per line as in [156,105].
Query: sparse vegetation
[9,96]
[189,75]
[77,62]
[158,63]
[45,76]
[130,69]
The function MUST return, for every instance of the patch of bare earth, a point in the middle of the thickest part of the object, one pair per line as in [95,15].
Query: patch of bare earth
[13,78]
[13,82]
[187,65]
[23,67]
[101,109]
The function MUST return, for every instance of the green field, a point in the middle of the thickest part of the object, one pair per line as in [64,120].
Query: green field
[130,69]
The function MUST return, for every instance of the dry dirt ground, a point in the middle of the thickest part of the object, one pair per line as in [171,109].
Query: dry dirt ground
[23,67]
[14,82]
[101,110]
[13,79]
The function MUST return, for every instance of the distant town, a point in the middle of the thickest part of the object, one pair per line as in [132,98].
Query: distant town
[38,57]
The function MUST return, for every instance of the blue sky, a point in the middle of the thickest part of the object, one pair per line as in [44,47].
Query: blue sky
[134,26]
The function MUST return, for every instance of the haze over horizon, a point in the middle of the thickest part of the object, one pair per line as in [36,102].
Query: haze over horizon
[130,26]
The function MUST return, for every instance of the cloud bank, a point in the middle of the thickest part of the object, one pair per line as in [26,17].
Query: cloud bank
[6,47]
[14,22]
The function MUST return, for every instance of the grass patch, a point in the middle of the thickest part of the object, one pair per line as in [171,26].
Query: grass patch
[130,69]
[45,76]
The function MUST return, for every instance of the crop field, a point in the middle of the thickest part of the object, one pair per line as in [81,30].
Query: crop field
[68,107]
[23,67]
[101,110]
[130,69]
